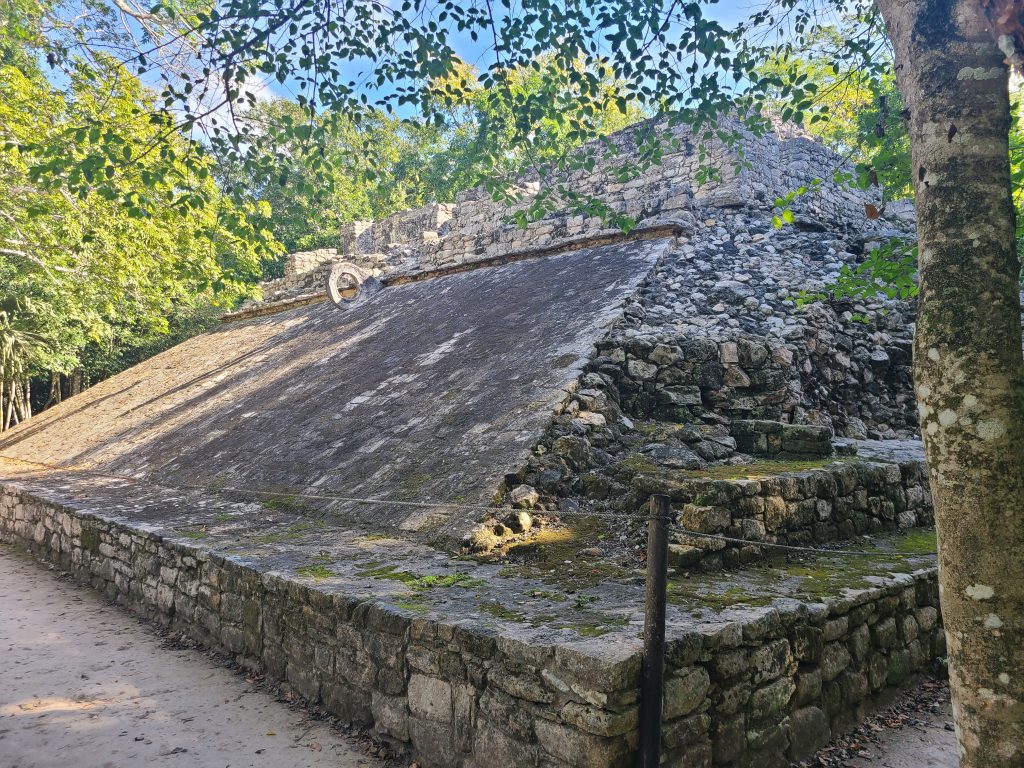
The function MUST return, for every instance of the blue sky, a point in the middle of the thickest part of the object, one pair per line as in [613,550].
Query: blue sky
[479,54]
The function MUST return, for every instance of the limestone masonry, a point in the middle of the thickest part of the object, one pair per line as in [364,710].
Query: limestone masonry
[415,502]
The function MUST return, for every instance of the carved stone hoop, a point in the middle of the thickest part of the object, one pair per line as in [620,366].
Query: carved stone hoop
[344,283]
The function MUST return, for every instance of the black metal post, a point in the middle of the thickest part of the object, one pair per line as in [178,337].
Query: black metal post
[653,671]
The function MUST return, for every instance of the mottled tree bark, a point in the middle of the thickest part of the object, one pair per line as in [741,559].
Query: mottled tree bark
[968,366]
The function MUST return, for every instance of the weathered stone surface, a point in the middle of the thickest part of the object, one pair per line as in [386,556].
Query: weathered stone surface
[809,731]
[381,400]
[530,368]
[581,750]
[772,698]
[741,697]
[685,691]
[430,698]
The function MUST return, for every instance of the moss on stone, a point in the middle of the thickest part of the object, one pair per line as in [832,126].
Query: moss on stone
[413,603]
[761,468]
[192,533]
[919,542]
[597,629]
[557,597]
[291,533]
[420,583]
[638,464]
[286,503]
[90,539]
[318,572]
[499,611]
[703,595]
[553,557]
[372,537]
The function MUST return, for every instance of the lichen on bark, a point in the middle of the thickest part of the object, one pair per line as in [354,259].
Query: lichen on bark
[968,366]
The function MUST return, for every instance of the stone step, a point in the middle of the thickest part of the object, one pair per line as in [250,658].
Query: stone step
[792,503]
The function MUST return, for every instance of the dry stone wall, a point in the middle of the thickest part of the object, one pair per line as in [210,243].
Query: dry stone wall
[836,503]
[756,688]
[476,227]
[721,314]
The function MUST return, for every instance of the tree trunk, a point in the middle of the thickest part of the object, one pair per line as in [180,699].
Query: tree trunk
[55,394]
[968,365]
[10,419]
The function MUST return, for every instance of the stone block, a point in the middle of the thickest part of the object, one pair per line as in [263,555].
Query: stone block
[771,661]
[885,633]
[390,716]
[809,731]
[683,555]
[685,691]
[807,643]
[772,698]
[600,722]
[834,659]
[432,743]
[430,698]
[705,519]
[492,748]
[578,749]
[808,686]
[729,740]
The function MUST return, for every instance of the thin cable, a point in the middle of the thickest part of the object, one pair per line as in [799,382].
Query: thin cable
[793,548]
[456,505]
[214,489]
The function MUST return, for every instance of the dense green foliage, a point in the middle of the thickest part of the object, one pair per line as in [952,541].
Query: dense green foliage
[94,276]
[376,165]
[132,215]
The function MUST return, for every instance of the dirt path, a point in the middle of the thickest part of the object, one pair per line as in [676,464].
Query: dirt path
[84,684]
[915,732]
[925,744]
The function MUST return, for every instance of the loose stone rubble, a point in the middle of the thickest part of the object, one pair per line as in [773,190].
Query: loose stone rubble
[303,487]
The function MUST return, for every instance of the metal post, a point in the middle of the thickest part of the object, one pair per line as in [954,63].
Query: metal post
[653,670]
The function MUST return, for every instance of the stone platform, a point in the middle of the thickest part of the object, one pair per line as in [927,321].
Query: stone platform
[532,661]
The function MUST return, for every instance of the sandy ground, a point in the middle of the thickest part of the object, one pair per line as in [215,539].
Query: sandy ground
[925,744]
[916,731]
[83,684]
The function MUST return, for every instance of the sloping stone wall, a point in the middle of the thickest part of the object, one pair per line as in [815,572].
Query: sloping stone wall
[430,391]
[734,280]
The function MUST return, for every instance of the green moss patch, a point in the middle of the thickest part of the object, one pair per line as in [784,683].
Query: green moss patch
[318,572]
[195,534]
[553,557]
[422,583]
[918,542]
[760,468]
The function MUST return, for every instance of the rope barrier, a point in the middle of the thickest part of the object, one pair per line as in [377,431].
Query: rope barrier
[321,496]
[794,548]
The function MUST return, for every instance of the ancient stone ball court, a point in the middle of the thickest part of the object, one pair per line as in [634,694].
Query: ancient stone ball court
[419,499]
